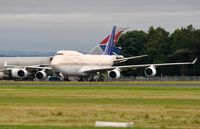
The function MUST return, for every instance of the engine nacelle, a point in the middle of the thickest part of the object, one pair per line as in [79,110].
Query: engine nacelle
[19,73]
[40,75]
[114,74]
[150,71]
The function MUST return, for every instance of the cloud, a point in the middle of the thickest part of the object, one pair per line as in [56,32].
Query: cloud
[63,19]
[77,6]
[72,24]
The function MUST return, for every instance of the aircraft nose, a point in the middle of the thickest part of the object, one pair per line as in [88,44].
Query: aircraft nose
[55,61]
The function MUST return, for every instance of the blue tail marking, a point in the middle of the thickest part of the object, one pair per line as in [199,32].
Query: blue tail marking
[116,50]
[110,44]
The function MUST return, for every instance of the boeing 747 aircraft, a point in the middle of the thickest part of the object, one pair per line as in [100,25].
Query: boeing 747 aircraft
[38,68]
[73,63]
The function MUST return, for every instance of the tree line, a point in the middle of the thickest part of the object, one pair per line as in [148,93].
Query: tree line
[161,46]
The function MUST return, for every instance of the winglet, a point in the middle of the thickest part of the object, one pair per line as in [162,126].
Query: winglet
[195,60]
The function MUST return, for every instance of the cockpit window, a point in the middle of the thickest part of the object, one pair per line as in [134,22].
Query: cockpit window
[59,53]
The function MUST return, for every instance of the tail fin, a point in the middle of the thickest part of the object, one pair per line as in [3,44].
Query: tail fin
[117,36]
[116,50]
[110,44]
[100,48]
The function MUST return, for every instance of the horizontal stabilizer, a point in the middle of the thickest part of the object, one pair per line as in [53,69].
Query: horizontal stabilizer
[128,58]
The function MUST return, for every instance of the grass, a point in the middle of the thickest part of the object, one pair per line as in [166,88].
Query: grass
[55,127]
[58,105]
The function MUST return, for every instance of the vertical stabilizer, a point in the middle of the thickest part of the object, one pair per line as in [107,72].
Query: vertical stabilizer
[100,48]
[110,44]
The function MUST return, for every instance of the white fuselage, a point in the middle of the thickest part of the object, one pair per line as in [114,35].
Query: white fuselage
[73,63]
[24,61]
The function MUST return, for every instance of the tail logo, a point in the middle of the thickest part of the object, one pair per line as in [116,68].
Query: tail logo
[110,44]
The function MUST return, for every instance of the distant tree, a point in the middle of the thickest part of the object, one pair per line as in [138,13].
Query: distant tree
[133,42]
[182,45]
[157,45]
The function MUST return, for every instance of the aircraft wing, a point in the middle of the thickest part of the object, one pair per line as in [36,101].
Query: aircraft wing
[38,67]
[89,69]
[156,65]
[32,70]
[103,69]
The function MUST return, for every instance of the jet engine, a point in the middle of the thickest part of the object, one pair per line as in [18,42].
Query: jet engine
[150,71]
[19,73]
[114,74]
[40,75]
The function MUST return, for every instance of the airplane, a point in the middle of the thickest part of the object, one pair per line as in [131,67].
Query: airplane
[38,68]
[74,63]
[24,68]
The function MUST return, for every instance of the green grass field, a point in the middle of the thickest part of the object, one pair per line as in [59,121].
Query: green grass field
[77,105]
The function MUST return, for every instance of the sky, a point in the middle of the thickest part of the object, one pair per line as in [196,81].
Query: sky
[52,25]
